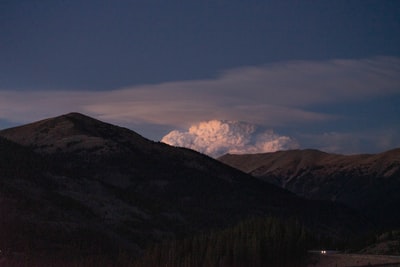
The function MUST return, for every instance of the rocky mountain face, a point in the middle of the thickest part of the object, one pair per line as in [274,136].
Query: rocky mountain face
[76,185]
[368,183]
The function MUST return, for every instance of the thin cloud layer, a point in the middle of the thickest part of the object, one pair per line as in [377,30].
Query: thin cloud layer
[216,138]
[273,95]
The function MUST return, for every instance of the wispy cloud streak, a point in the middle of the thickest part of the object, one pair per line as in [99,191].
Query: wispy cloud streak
[273,95]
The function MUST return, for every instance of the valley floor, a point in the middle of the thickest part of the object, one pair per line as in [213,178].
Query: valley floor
[350,260]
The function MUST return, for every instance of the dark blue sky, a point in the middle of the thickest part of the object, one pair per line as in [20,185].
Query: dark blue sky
[101,46]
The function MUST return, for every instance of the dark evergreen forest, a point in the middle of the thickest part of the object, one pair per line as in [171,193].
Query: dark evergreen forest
[252,243]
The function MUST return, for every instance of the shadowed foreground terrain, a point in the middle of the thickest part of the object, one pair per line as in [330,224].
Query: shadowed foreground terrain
[349,260]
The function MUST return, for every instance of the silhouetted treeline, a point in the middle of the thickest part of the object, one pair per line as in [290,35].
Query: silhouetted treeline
[255,242]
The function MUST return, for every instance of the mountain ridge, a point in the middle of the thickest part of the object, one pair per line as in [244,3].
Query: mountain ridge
[366,182]
[124,191]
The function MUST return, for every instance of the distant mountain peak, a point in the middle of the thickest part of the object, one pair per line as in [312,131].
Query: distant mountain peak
[70,133]
[77,115]
[80,120]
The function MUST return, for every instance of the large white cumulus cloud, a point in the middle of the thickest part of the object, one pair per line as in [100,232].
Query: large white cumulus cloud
[217,137]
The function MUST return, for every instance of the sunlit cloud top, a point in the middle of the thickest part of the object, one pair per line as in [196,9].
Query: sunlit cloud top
[216,138]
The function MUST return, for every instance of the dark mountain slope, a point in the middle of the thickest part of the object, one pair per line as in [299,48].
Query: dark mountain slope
[82,186]
[74,132]
[369,183]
